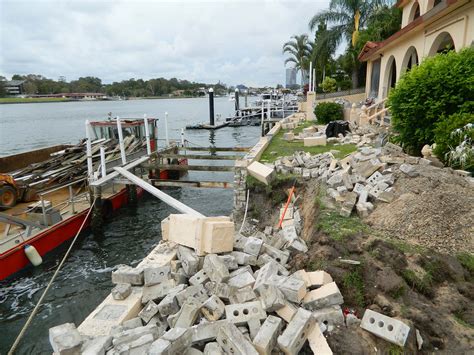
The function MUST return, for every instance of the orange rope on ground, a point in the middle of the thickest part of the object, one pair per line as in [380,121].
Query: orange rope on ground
[286,206]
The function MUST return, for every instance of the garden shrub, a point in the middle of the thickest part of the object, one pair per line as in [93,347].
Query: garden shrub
[329,84]
[328,111]
[454,138]
[438,87]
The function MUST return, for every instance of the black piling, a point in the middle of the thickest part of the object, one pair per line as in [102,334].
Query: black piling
[236,97]
[211,107]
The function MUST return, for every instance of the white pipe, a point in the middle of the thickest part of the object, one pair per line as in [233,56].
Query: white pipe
[90,169]
[182,137]
[122,147]
[310,88]
[181,207]
[147,135]
[102,162]
[166,129]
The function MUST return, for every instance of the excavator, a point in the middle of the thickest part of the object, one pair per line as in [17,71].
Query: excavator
[12,192]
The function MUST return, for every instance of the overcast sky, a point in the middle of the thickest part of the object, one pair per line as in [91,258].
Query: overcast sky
[232,41]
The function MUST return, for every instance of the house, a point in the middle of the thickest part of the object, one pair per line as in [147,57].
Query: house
[14,87]
[428,27]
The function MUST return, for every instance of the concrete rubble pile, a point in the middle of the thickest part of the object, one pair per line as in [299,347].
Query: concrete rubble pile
[242,302]
[359,180]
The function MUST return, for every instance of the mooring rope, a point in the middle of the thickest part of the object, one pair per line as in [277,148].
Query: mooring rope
[35,310]
[245,213]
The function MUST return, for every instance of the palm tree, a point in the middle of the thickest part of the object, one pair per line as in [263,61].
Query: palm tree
[299,50]
[345,18]
[322,49]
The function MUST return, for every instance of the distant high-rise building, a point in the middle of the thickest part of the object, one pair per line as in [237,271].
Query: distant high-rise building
[290,77]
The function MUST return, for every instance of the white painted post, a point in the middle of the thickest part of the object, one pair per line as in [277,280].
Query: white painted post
[166,129]
[263,117]
[182,137]
[90,169]
[314,79]
[269,109]
[147,135]
[122,147]
[102,161]
[310,88]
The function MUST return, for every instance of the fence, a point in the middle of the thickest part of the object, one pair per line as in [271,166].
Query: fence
[340,93]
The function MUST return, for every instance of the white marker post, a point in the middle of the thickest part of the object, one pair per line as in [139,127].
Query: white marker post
[90,169]
[147,135]
[314,79]
[166,129]
[310,88]
[102,161]
[182,137]
[263,115]
[122,147]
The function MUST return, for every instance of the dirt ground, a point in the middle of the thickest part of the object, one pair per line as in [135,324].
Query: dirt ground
[410,266]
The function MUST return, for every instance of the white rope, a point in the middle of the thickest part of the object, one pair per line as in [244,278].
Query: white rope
[35,310]
[245,214]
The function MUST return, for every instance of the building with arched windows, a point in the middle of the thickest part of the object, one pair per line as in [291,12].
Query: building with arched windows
[428,27]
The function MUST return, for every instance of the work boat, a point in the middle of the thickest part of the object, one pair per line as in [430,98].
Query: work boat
[45,194]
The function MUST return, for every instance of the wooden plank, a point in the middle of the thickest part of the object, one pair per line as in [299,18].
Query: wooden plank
[188,167]
[200,156]
[217,149]
[199,184]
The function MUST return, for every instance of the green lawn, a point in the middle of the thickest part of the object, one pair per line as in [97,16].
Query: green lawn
[278,147]
[15,100]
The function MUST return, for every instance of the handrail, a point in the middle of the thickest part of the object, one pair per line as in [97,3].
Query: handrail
[376,104]
[61,187]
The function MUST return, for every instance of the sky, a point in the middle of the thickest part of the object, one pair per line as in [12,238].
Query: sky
[234,41]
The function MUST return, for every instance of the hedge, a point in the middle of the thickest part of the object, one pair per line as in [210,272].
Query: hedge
[326,112]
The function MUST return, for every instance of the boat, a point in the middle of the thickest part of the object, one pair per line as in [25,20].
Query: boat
[55,197]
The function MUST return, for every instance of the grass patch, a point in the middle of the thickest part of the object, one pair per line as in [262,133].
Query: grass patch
[395,350]
[278,147]
[458,317]
[422,285]
[339,227]
[405,247]
[354,283]
[467,261]
[396,294]
[18,100]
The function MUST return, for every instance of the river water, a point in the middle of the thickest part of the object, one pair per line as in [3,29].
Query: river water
[133,232]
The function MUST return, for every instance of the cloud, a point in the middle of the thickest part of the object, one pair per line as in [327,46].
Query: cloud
[232,41]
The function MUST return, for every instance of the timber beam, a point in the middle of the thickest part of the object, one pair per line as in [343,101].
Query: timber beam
[201,157]
[188,167]
[199,184]
[217,149]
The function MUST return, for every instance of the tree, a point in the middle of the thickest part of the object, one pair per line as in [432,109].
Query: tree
[323,48]
[299,50]
[3,91]
[345,18]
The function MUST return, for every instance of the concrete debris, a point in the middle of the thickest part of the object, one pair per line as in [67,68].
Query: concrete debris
[387,328]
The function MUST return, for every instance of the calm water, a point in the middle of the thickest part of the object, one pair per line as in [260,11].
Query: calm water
[127,238]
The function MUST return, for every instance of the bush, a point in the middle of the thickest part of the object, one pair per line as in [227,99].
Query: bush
[438,87]
[328,111]
[329,84]
[454,137]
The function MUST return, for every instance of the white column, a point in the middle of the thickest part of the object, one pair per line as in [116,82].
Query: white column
[90,169]
[122,147]
[310,87]
[147,135]
[263,114]
[102,161]
[166,129]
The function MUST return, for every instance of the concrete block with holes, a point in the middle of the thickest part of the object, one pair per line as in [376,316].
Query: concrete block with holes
[221,290]
[265,259]
[207,331]
[244,294]
[127,275]
[241,313]
[253,246]
[169,304]
[387,328]
[197,292]
[271,297]
[215,268]
[148,311]
[330,316]
[293,338]
[244,258]
[155,275]
[293,288]
[279,255]
[266,338]
[200,278]
[232,341]
[213,309]
[187,314]
[157,292]
[325,296]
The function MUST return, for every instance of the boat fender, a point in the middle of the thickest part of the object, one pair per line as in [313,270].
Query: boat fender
[32,254]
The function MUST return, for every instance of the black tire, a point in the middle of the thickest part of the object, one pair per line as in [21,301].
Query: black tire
[8,196]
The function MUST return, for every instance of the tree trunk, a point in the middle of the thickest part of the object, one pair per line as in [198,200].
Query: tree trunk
[355,78]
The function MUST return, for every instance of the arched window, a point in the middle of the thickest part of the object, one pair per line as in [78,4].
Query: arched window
[390,75]
[414,12]
[409,60]
[442,44]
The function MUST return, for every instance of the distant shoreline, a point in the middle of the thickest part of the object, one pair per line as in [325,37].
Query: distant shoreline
[16,101]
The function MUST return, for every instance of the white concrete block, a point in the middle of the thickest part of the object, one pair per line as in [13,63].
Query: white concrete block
[387,328]
[266,338]
[232,341]
[314,141]
[317,342]
[241,313]
[65,339]
[325,296]
[293,338]
[318,278]
[261,172]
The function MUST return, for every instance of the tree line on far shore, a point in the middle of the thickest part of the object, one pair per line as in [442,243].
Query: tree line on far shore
[39,85]
[349,22]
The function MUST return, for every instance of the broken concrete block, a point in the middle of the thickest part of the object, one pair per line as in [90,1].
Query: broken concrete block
[187,315]
[325,296]
[271,297]
[253,325]
[215,268]
[223,291]
[240,314]
[127,275]
[199,278]
[265,273]
[131,335]
[213,349]
[65,339]
[244,258]
[387,328]
[279,255]
[266,338]
[207,331]
[293,288]
[155,275]
[318,278]
[189,260]
[350,200]
[232,341]
[193,351]
[157,292]
[253,246]
[229,261]
[335,180]
[213,309]
[293,338]
[132,323]
[346,179]
[288,136]
[243,295]
[121,291]
[261,172]
[317,342]
[265,259]
[169,304]
[242,279]
[392,149]
[148,311]
[367,168]
[137,346]
[197,292]
[409,170]
[314,141]
[330,316]
[386,196]
[97,345]
[160,347]
[179,338]
[287,312]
